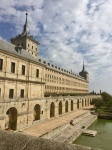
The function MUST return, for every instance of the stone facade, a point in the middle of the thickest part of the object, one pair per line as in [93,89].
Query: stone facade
[25,79]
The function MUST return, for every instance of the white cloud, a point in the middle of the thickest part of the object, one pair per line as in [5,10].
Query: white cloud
[69,32]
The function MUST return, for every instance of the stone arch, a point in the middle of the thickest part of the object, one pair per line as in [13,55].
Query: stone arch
[85,102]
[78,103]
[82,103]
[66,106]
[90,101]
[12,115]
[60,108]
[71,105]
[52,110]
[37,111]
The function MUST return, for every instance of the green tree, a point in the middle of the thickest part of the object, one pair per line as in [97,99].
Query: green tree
[97,102]
[107,98]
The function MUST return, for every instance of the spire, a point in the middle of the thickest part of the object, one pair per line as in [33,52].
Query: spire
[25,28]
[83,66]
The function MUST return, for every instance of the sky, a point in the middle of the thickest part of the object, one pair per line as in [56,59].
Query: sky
[69,32]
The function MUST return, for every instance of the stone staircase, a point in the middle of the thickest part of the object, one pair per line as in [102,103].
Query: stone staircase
[70,131]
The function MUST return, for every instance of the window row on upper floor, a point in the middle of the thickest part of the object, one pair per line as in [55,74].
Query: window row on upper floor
[13,68]
[11,93]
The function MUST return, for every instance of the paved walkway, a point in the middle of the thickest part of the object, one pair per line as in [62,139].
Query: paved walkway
[44,127]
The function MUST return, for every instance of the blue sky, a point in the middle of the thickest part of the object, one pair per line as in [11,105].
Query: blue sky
[69,31]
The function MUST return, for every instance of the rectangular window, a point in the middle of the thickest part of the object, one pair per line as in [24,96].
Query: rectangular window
[23,70]
[22,93]
[11,93]
[12,67]
[1,64]
[37,72]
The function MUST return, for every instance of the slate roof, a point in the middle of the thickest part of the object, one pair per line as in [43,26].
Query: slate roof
[8,47]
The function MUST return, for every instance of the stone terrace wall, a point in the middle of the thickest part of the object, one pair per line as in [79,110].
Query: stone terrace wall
[16,141]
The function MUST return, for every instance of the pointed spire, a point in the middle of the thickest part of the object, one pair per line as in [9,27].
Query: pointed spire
[83,66]
[25,28]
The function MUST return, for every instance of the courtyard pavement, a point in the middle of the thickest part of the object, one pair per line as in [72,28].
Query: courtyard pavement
[46,126]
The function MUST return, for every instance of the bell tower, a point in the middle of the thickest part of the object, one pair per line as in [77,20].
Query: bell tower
[84,73]
[26,41]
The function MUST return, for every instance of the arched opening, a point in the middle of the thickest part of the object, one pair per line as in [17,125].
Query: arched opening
[82,103]
[88,102]
[60,108]
[66,106]
[71,105]
[12,115]
[37,112]
[52,110]
[85,102]
[78,103]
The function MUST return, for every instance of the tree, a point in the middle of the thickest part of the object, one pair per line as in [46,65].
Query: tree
[97,102]
[107,98]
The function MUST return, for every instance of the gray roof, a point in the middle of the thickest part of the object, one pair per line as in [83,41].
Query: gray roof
[8,47]
[61,70]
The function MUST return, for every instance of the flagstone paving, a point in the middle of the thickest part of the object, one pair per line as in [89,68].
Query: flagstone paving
[44,127]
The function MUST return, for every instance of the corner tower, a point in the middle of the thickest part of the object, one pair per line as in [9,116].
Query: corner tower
[84,73]
[26,41]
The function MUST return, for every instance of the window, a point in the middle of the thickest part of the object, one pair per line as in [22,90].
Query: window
[32,47]
[11,93]
[37,72]
[22,93]
[12,67]
[23,70]
[28,45]
[1,64]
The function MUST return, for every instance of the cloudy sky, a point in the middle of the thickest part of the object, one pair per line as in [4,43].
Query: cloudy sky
[69,31]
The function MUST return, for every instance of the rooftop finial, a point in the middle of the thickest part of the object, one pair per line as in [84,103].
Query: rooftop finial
[25,28]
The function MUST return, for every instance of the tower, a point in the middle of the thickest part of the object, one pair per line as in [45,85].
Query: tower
[84,73]
[26,41]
